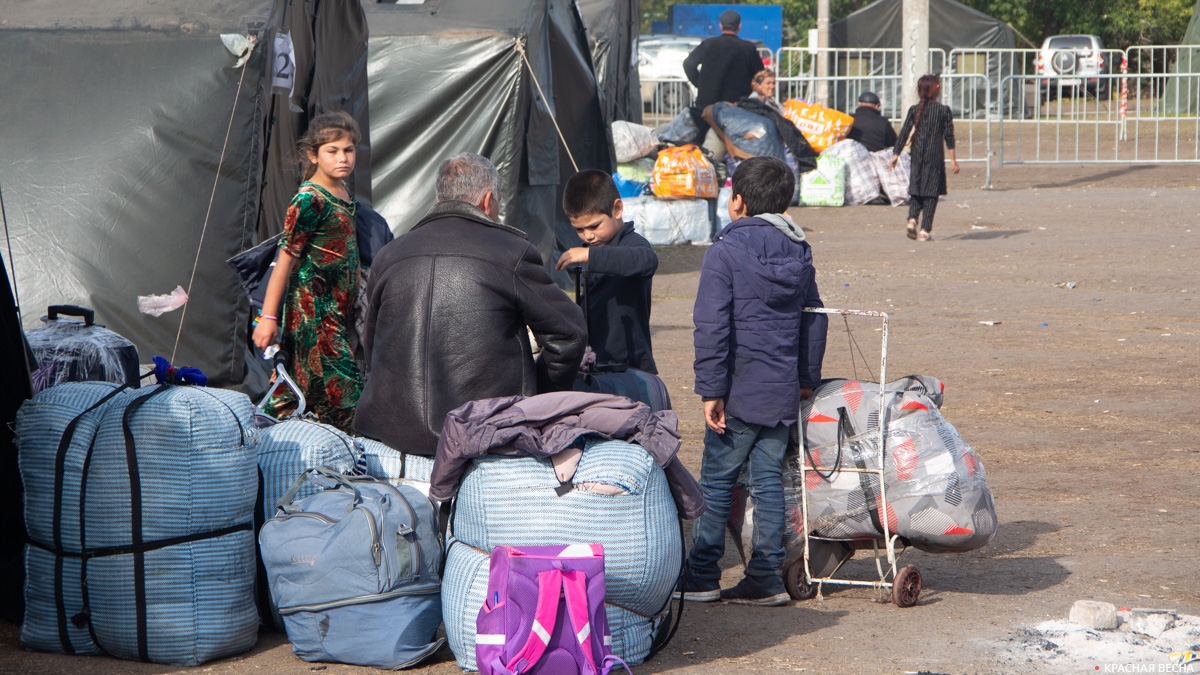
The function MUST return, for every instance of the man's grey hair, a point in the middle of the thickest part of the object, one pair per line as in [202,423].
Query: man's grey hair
[467,177]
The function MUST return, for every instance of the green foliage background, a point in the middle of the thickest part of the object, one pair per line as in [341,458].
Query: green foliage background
[1120,23]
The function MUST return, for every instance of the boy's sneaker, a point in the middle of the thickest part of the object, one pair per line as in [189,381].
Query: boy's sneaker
[751,591]
[695,590]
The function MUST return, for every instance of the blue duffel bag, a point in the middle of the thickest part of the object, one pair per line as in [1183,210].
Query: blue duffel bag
[355,571]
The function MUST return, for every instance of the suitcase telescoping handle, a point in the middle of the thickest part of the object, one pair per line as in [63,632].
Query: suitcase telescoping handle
[89,316]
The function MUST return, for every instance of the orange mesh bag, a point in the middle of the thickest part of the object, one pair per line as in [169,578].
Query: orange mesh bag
[683,173]
[820,125]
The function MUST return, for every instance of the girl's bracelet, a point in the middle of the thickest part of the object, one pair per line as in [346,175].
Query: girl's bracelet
[268,316]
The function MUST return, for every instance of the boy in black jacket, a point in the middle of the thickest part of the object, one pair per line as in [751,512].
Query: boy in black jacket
[620,266]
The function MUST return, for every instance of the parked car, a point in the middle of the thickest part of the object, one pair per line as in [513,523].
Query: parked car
[1073,62]
[665,88]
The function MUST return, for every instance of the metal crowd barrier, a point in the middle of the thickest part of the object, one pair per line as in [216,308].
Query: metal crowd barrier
[1155,120]
[1144,107]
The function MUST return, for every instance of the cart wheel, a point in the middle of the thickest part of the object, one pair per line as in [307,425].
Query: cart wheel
[906,588]
[793,580]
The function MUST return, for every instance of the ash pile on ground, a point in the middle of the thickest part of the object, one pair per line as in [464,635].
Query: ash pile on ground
[1146,641]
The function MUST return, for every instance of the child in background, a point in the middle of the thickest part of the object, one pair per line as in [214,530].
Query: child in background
[620,265]
[757,356]
[317,270]
[930,123]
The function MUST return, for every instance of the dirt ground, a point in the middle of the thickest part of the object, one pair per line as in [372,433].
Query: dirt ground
[1078,395]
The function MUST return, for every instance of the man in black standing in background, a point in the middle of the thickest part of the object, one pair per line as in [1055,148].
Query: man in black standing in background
[721,67]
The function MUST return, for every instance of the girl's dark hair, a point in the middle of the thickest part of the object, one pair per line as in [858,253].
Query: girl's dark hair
[766,185]
[927,90]
[321,130]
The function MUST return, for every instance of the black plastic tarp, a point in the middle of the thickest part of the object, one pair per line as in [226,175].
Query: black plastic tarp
[448,76]
[127,128]
[613,27]
[15,364]
[951,24]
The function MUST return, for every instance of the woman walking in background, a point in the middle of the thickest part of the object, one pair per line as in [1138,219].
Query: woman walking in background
[930,123]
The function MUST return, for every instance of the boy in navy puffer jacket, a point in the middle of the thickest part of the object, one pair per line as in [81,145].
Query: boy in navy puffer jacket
[757,356]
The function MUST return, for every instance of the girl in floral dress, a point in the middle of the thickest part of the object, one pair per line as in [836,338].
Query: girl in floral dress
[315,281]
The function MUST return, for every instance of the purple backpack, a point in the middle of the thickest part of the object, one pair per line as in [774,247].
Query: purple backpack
[544,613]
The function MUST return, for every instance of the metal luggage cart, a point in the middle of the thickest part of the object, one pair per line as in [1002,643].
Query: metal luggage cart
[825,555]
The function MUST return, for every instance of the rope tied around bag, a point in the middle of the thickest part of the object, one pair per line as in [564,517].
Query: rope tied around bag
[520,47]
[208,214]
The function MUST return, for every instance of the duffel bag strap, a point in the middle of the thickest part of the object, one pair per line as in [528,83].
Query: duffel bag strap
[285,502]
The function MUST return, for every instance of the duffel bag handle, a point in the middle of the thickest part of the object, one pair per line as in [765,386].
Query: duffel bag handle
[88,315]
[285,502]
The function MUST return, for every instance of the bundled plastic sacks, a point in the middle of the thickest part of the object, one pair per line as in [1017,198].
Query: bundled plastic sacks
[894,180]
[680,130]
[937,493]
[862,181]
[512,500]
[826,186]
[167,520]
[638,170]
[288,449]
[820,125]
[395,467]
[669,222]
[683,173]
[632,141]
[750,135]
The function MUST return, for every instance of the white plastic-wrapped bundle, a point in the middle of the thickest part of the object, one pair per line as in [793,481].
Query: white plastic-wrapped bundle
[632,141]
[665,222]
[936,489]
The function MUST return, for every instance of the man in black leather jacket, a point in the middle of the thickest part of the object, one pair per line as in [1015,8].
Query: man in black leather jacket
[449,303]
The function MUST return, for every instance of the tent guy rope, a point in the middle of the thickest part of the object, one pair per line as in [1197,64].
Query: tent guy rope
[203,230]
[520,47]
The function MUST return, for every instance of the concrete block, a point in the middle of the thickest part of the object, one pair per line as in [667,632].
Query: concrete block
[1094,614]
[1151,623]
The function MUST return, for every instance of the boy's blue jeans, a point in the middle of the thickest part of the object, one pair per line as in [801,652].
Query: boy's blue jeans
[724,456]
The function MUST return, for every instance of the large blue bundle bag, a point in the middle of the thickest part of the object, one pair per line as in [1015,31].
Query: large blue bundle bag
[149,496]
[287,449]
[354,571]
[516,501]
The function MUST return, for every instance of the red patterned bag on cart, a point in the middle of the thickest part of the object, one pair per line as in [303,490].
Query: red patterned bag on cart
[935,487]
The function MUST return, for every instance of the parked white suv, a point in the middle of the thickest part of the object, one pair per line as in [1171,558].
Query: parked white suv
[665,88]
[1073,62]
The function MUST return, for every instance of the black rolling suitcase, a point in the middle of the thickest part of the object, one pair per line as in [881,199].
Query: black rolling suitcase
[80,351]
[617,379]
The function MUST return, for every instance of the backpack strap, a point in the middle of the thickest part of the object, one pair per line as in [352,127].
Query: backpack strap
[545,616]
[575,584]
